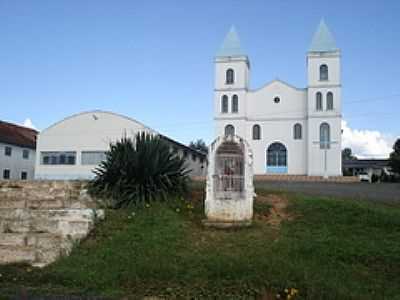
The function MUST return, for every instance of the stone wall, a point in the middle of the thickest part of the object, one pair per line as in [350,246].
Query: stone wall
[41,220]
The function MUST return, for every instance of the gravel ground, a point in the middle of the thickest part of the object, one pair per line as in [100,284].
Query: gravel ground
[385,192]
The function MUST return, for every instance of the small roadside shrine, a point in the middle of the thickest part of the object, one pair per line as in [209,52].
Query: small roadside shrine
[229,189]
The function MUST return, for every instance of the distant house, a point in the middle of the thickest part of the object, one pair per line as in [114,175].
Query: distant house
[369,166]
[17,151]
[74,147]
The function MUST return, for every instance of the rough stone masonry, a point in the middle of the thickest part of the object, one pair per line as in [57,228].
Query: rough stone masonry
[42,220]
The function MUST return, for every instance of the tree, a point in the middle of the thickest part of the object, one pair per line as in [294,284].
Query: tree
[138,171]
[347,154]
[199,145]
[394,160]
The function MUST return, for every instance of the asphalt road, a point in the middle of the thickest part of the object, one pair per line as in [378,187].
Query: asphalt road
[385,192]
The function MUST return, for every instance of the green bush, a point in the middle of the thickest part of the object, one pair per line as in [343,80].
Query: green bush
[138,171]
[374,178]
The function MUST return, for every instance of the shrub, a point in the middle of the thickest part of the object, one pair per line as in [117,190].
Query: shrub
[138,171]
[374,178]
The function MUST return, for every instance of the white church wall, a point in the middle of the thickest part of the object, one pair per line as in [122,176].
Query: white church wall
[316,158]
[240,67]
[337,103]
[279,131]
[261,105]
[315,60]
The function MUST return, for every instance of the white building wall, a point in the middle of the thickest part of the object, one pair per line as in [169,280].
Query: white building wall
[321,162]
[88,131]
[16,163]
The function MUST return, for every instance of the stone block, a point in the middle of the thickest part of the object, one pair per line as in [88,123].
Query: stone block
[12,254]
[12,203]
[12,239]
[38,225]
[17,226]
[45,256]
[43,204]
[74,229]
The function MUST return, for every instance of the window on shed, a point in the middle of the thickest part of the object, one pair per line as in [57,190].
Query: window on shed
[92,157]
[230,76]
[24,175]
[224,104]
[256,132]
[58,158]
[297,131]
[323,72]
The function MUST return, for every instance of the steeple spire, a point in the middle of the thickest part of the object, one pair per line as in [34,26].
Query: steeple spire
[323,40]
[231,45]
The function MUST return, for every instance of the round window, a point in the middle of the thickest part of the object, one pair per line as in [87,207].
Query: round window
[277,100]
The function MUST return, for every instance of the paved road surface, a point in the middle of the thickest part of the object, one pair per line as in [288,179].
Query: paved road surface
[386,192]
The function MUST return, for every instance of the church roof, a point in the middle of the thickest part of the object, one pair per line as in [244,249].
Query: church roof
[231,45]
[323,40]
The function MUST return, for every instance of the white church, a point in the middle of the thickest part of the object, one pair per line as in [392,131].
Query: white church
[290,130]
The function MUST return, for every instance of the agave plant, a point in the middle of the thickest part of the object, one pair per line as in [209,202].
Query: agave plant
[138,171]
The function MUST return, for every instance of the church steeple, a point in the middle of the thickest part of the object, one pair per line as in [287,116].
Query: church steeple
[231,45]
[323,40]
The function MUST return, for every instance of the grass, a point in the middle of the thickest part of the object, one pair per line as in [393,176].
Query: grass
[332,249]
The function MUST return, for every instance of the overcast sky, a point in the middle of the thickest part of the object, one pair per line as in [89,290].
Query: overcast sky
[153,60]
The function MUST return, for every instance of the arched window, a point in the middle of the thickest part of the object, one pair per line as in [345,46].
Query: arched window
[318,104]
[229,130]
[224,104]
[235,103]
[329,101]
[323,72]
[324,136]
[256,132]
[230,76]
[297,131]
[276,158]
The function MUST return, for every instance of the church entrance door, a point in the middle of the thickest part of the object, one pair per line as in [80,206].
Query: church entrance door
[277,159]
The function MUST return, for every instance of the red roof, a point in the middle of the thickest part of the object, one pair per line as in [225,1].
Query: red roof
[17,135]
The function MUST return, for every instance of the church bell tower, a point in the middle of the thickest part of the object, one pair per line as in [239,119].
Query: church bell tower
[324,105]
[232,70]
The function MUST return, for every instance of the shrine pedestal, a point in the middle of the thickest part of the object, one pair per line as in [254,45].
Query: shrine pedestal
[229,190]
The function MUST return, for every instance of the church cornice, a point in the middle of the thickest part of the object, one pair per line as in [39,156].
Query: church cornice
[298,118]
[231,90]
[324,86]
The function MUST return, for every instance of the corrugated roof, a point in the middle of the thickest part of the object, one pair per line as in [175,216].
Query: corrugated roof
[365,163]
[323,40]
[17,135]
[231,45]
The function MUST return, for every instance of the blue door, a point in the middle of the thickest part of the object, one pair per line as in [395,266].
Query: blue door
[277,159]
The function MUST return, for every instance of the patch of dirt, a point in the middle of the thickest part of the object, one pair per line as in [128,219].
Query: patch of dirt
[277,212]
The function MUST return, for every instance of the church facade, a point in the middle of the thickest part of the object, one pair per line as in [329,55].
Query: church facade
[290,130]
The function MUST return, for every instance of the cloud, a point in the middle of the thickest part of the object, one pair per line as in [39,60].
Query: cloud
[28,123]
[366,143]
